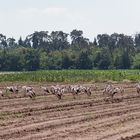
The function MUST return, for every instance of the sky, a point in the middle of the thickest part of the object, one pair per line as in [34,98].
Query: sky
[23,17]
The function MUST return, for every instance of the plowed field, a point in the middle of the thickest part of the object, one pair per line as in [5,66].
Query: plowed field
[83,118]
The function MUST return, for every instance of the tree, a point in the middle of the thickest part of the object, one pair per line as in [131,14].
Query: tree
[66,62]
[105,59]
[43,60]
[27,42]
[78,40]
[118,62]
[123,61]
[103,40]
[97,59]
[84,62]
[137,40]
[3,43]
[54,60]
[95,42]
[20,42]
[59,40]
[126,60]
[11,42]
[38,40]
[136,61]
[14,63]
[31,60]
[125,42]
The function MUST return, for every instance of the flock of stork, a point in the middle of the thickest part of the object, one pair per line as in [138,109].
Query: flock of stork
[59,90]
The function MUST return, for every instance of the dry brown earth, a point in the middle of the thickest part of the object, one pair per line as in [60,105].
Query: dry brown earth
[83,118]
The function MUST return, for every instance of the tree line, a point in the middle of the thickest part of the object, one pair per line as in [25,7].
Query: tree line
[60,50]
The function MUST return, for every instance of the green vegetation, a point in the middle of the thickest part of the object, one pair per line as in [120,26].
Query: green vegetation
[72,76]
[58,50]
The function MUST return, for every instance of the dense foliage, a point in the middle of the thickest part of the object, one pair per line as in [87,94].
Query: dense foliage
[59,50]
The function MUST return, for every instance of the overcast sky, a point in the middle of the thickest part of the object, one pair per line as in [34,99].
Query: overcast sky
[23,17]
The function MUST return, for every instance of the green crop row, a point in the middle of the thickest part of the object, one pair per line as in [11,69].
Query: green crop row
[72,76]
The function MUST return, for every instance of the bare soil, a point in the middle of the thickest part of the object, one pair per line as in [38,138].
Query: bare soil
[83,118]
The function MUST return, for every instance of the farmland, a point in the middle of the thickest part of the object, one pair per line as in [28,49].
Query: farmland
[92,117]
[71,76]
